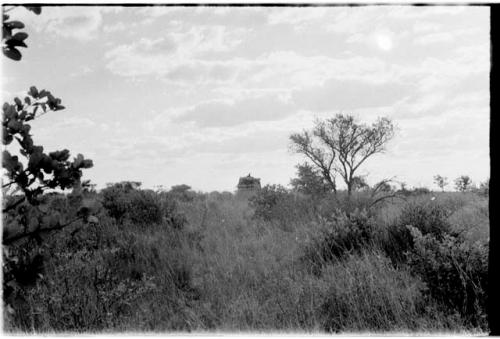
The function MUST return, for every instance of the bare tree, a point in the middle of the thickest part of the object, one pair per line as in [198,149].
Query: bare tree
[341,145]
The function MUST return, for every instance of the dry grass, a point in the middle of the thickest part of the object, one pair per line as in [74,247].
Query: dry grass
[228,271]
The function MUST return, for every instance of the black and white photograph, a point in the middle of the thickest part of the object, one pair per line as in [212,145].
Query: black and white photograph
[204,168]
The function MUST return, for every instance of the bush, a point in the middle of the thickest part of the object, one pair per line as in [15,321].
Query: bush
[170,208]
[106,278]
[145,208]
[420,191]
[366,293]
[124,201]
[116,198]
[455,273]
[182,192]
[427,216]
[273,203]
[340,237]
[267,200]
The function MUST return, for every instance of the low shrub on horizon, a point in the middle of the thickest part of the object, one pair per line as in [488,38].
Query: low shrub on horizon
[125,201]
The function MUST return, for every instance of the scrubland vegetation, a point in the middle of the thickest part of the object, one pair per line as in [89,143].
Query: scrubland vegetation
[279,261]
[310,258]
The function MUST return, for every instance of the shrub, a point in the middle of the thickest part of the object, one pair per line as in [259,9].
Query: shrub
[116,199]
[356,201]
[170,208]
[420,191]
[182,192]
[454,271]
[339,237]
[125,201]
[273,203]
[366,293]
[267,200]
[145,208]
[106,278]
[427,216]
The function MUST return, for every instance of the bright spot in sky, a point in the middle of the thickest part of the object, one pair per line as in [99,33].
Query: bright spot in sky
[384,42]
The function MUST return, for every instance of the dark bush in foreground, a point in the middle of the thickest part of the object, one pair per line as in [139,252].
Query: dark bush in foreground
[105,278]
[339,237]
[367,293]
[453,268]
[428,217]
[454,271]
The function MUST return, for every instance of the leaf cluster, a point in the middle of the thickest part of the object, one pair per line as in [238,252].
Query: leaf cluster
[39,170]
[12,39]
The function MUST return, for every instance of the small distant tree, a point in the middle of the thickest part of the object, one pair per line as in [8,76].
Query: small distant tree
[341,145]
[309,181]
[463,183]
[440,181]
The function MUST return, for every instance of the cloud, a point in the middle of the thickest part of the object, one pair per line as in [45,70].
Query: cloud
[81,71]
[177,55]
[230,113]
[347,95]
[75,22]
[434,38]
[261,142]
[118,27]
[207,15]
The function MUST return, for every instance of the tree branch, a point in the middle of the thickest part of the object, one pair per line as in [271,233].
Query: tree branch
[14,205]
[393,195]
[10,240]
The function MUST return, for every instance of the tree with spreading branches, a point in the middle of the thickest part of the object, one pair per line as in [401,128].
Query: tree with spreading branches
[340,145]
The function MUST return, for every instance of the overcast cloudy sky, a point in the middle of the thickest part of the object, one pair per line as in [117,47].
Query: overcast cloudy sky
[202,96]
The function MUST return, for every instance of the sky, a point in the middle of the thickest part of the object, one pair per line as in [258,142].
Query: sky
[204,95]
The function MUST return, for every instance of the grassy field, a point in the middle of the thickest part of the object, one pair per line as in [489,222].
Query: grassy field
[279,262]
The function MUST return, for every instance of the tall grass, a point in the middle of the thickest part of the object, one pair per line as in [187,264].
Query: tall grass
[212,262]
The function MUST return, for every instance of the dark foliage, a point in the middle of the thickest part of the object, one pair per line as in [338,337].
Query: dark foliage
[454,271]
[342,235]
[126,202]
[275,204]
[427,217]
[309,181]
[12,39]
